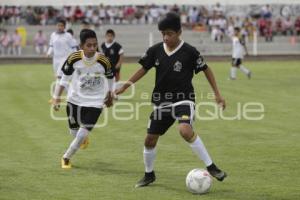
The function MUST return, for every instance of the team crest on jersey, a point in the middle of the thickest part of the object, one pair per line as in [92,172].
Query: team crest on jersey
[177,66]
[112,52]
[156,62]
[200,62]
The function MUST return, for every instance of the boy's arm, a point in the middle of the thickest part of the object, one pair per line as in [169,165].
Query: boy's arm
[56,97]
[120,61]
[134,78]
[211,79]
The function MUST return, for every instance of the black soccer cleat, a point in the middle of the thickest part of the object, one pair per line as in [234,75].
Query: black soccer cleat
[216,172]
[146,180]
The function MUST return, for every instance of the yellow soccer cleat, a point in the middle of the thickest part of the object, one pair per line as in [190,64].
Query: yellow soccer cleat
[65,163]
[85,143]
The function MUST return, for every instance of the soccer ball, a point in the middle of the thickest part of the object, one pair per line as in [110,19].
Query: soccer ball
[198,181]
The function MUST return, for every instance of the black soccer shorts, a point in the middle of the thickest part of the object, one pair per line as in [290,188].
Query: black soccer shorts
[236,62]
[79,116]
[162,118]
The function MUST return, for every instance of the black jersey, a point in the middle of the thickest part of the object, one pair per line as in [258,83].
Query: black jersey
[113,52]
[174,72]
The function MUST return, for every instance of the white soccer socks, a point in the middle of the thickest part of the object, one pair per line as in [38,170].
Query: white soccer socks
[74,146]
[200,150]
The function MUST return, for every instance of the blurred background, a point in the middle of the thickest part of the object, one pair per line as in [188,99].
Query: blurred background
[271,27]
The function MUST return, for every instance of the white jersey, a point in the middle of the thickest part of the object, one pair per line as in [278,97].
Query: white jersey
[90,79]
[60,45]
[238,48]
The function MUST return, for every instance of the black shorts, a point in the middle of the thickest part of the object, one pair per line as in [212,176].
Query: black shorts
[79,116]
[236,62]
[162,118]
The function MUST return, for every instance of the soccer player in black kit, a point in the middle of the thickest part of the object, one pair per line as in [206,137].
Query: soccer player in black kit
[173,95]
[114,51]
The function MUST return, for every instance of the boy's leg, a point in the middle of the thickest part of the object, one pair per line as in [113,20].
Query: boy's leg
[75,144]
[156,127]
[246,71]
[85,116]
[233,69]
[185,115]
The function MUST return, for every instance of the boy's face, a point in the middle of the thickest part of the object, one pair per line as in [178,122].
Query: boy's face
[90,47]
[171,37]
[60,27]
[109,38]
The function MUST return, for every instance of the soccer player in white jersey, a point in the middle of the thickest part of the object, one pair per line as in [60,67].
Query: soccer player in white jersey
[60,46]
[90,78]
[238,50]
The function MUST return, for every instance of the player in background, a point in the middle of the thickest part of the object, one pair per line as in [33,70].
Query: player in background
[173,96]
[238,50]
[114,51]
[74,41]
[90,76]
[60,46]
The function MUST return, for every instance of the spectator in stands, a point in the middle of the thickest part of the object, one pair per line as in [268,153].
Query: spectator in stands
[266,12]
[16,43]
[78,14]
[16,13]
[89,13]
[268,31]
[120,15]
[1,15]
[193,14]
[5,43]
[287,26]
[262,24]
[154,14]
[102,14]
[238,22]
[218,9]
[129,14]
[278,26]
[297,26]
[40,43]
[68,13]
[111,14]
[95,19]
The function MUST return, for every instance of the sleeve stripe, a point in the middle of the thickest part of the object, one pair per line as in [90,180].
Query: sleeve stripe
[105,60]
[73,56]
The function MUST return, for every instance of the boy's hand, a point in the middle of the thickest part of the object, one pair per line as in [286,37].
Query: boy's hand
[221,102]
[120,90]
[56,104]
[109,100]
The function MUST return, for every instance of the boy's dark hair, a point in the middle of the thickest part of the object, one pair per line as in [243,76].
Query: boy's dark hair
[170,21]
[70,31]
[86,34]
[110,31]
[237,29]
[62,21]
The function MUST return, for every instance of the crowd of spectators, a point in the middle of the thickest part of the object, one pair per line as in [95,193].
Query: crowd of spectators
[213,19]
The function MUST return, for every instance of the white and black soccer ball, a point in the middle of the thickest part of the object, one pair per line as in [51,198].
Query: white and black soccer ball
[198,181]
